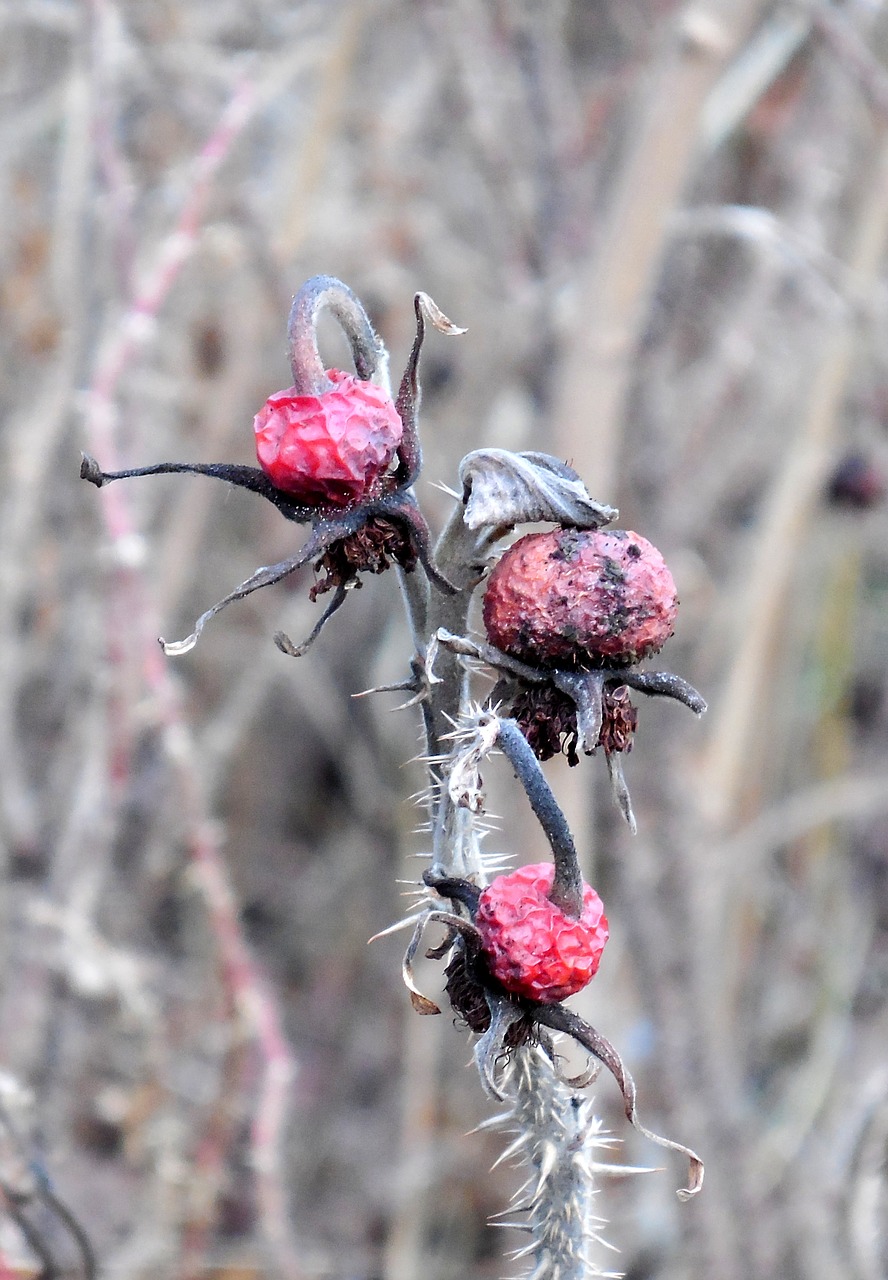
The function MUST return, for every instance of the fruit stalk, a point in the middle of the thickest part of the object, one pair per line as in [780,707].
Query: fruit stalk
[567,885]
[368,352]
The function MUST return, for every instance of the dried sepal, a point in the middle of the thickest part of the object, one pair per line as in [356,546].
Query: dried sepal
[421,1004]
[407,402]
[489,1048]
[620,789]
[455,925]
[253,479]
[558,1018]
[502,489]
[663,684]
[561,710]
[287,646]
[322,535]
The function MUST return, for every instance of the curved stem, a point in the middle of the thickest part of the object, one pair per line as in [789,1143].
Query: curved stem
[567,885]
[454,888]
[88,1262]
[368,352]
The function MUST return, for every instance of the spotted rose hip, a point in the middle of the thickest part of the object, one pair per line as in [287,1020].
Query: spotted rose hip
[534,948]
[577,598]
[332,448]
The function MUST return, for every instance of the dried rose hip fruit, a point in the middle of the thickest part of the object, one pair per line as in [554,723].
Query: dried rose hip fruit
[534,948]
[332,448]
[578,598]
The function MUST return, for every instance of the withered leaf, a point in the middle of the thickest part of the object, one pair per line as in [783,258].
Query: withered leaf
[503,489]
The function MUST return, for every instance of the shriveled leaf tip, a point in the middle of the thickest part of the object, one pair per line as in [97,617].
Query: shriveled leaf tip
[695,1179]
[433,313]
[422,1004]
[175,648]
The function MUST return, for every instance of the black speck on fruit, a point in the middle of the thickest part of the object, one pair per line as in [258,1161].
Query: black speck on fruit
[618,619]
[633,550]
[568,545]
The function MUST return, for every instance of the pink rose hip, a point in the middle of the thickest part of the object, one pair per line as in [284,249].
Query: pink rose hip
[534,948]
[576,598]
[332,448]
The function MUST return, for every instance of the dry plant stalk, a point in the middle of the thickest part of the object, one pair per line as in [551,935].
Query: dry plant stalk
[573,615]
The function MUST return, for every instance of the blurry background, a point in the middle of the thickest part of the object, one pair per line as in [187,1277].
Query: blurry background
[665,229]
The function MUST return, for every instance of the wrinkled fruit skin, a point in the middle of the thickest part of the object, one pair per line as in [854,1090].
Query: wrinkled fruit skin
[329,449]
[579,598]
[532,946]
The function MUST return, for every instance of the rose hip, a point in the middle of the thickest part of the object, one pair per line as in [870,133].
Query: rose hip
[578,598]
[332,448]
[534,948]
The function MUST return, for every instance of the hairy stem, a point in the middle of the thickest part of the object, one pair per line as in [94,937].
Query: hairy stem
[368,351]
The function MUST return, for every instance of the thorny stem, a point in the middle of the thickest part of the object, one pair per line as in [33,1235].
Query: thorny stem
[459,558]
[559,1136]
[561,1225]
[368,352]
[567,885]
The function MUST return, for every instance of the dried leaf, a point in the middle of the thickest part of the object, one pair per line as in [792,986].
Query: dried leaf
[503,489]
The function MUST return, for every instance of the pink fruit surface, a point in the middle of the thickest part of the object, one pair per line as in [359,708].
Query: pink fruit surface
[533,947]
[333,448]
[577,598]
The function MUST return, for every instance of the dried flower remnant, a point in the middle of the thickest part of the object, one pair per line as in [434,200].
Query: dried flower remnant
[548,719]
[560,710]
[336,453]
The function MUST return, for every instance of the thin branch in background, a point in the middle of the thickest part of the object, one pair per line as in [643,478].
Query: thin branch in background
[259,1009]
[852,52]
[109,44]
[242,976]
[127,336]
[615,285]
